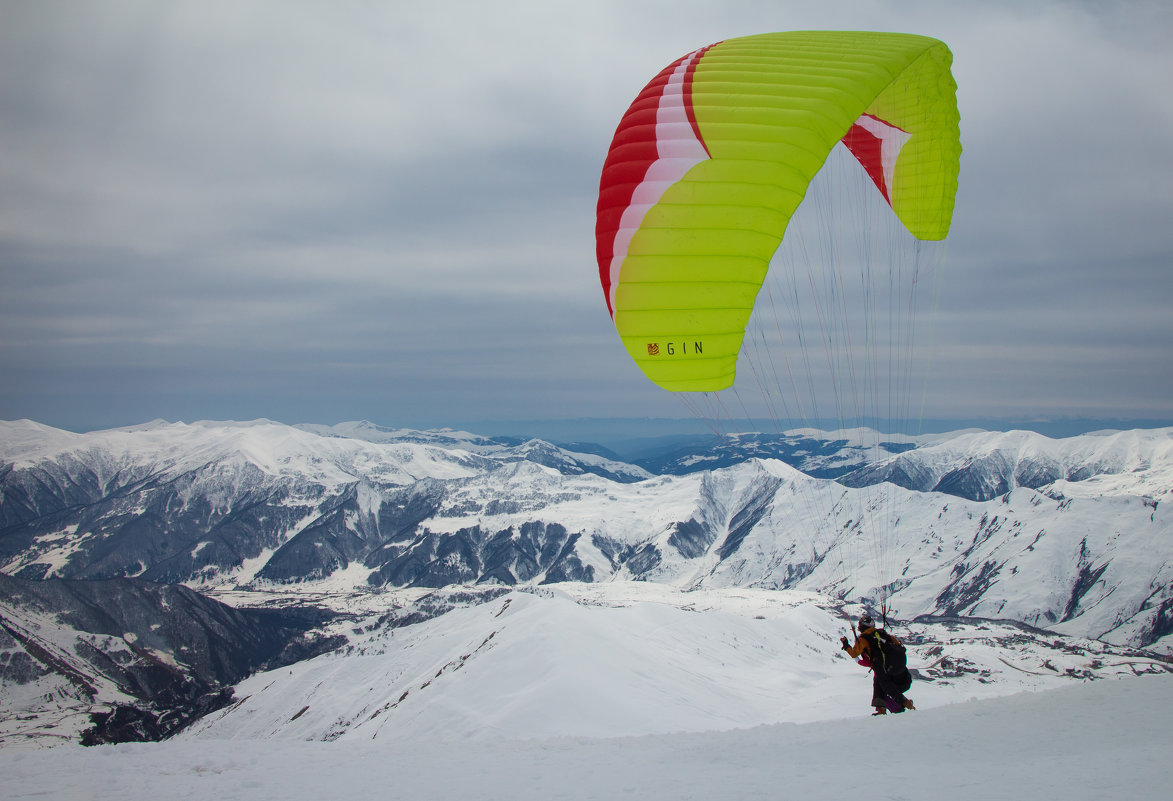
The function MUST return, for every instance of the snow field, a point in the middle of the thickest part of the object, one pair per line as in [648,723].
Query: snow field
[630,659]
[1098,740]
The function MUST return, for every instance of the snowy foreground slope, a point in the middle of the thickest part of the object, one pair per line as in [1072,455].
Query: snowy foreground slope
[621,690]
[625,659]
[1100,740]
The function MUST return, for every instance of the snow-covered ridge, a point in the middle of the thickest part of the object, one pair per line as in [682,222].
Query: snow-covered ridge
[983,464]
[342,452]
[260,504]
[273,448]
[971,463]
[163,654]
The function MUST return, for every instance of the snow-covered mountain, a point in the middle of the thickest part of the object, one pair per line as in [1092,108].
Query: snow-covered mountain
[982,465]
[566,460]
[124,659]
[822,454]
[256,504]
[208,502]
[371,522]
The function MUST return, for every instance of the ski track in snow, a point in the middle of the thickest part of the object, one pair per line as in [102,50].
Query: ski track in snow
[1093,741]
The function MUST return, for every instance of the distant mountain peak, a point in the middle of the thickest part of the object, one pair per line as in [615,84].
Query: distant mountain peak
[959,524]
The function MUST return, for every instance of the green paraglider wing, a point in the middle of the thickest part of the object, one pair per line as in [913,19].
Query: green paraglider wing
[716,153]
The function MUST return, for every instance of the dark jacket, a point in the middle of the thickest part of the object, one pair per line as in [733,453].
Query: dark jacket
[883,685]
[863,645]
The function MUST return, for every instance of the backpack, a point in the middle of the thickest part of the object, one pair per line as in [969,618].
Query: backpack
[888,653]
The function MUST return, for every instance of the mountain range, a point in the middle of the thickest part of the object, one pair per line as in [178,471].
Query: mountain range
[1070,535]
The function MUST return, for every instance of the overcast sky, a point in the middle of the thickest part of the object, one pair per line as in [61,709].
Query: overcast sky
[319,212]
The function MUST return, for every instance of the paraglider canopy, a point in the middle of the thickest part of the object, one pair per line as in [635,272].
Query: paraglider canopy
[715,155]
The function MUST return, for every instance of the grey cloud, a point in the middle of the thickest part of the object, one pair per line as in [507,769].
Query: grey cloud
[386,210]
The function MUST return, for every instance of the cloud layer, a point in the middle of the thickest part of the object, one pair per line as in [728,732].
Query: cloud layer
[385,210]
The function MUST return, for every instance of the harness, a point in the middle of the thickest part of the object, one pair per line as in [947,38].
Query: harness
[880,659]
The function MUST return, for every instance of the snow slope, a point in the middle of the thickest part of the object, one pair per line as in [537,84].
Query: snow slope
[604,691]
[1089,741]
[630,659]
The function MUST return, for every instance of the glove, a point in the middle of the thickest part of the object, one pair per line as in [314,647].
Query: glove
[843,640]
